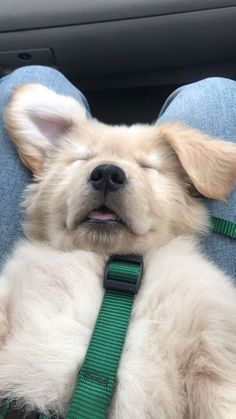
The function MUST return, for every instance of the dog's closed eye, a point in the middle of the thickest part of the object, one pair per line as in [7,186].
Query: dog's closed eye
[82,153]
[151,161]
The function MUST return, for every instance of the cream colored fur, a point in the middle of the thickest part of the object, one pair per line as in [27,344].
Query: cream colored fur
[179,358]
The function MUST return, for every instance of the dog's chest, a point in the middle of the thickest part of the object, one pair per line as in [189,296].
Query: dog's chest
[54,303]
[54,306]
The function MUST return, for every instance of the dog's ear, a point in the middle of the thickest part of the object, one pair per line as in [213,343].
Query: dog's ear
[37,118]
[209,163]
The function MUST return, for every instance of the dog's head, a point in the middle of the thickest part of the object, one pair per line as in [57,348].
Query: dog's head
[112,189]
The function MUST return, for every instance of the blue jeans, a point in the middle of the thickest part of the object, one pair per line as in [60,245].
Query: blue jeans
[209,105]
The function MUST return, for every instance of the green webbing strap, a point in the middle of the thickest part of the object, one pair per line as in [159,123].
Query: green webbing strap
[97,377]
[4,409]
[227,228]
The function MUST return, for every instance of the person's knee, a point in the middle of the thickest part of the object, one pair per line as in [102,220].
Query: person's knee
[47,76]
[211,86]
[34,74]
[206,105]
[40,69]
[213,81]
[24,75]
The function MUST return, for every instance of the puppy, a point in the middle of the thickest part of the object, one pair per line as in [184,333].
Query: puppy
[101,190]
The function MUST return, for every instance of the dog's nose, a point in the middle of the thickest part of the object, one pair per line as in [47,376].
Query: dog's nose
[108,177]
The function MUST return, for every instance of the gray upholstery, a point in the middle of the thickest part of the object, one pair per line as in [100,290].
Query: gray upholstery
[122,43]
[28,14]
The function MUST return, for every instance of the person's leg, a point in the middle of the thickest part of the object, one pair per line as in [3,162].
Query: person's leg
[210,105]
[13,175]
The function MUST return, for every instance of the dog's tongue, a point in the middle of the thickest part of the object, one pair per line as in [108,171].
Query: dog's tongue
[102,215]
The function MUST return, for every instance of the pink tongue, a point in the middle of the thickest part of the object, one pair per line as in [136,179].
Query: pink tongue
[103,216]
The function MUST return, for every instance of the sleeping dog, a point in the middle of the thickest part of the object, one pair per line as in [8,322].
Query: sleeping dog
[100,190]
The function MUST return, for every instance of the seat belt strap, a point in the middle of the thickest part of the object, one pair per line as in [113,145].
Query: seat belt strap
[97,377]
[4,406]
[224,227]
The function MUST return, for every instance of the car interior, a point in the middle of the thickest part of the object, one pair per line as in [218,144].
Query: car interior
[126,55]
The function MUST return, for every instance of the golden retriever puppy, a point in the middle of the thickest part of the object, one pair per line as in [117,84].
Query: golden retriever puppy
[101,190]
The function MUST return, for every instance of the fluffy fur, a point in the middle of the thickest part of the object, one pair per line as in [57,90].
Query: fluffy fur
[179,358]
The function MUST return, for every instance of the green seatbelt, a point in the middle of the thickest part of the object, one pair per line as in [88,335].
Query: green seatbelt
[97,377]
[227,228]
[4,409]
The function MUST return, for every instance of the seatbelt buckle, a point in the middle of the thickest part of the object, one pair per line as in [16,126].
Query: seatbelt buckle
[123,273]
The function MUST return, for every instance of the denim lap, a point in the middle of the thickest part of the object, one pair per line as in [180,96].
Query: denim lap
[13,175]
[209,105]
